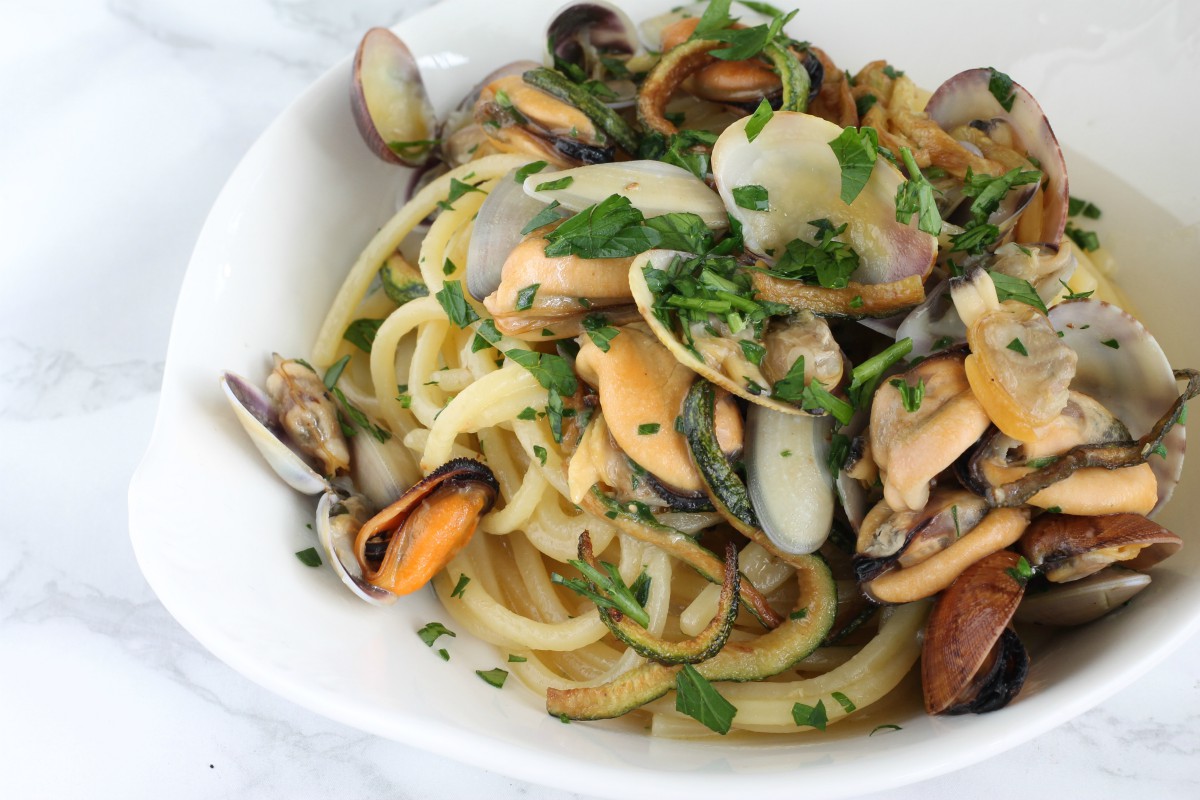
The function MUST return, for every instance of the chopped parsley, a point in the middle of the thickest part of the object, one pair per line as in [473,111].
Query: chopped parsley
[529,169]
[753,351]
[1113,343]
[648,428]
[827,263]
[493,677]
[697,698]
[1009,288]
[455,304]
[845,702]
[813,716]
[1017,347]
[866,376]
[856,150]
[486,336]
[885,727]
[758,120]
[1001,87]
[553,372]
[414,149]
[461,586]
[525,296]
[752,196]
[606,589]
[910,396]
[515,659]
[309,557]
[361,333]
[544,217]
[599,331]
[527,413]
[839,452]
[1070,295]
[1085,240]
[1077,206]
[457,190]
[915,196]
[430,633]
[550,186]
[1021,573]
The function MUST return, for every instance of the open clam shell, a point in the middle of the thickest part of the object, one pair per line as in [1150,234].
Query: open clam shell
[256,413]
[1067,547]
[792,161]
[968,98]
[581,32]
[1084,600]
[338,519]
[1122,366]
[497,231]
[388,98]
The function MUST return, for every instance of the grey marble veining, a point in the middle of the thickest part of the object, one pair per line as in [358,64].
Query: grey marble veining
[122,121]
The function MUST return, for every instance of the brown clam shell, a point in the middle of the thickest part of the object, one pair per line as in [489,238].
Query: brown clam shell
[1054,539]
[967,621]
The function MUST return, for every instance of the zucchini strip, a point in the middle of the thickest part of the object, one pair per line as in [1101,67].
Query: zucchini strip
[770,654]
[610,122]
[700,647]
[721,483]
[671,70]
[793,76]
[633,519]
[857,300]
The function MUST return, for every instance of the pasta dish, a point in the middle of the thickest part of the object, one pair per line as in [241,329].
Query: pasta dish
[713,382]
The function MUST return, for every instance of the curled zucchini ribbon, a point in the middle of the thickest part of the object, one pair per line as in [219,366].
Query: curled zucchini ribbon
[700,647]
[637,521]
[770,654]
[1110,455]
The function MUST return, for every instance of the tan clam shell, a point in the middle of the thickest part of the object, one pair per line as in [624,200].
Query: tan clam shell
[956,643]
[1056,538]
[645,303]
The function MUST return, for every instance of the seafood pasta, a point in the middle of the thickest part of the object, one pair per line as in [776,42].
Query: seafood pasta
[713,382]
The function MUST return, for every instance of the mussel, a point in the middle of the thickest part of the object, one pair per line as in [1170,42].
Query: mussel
[403,546]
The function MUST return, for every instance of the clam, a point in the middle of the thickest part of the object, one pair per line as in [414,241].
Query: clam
[971,661]
[1123,367]
[790,485]
[934,324]
[652,187]
[391,108]
[340,516]
[792,161]
[403,546]
[912,447]
[1001,460]
[582,33]
[496,233]
[1066,547]
[1084,600]
[293,424]
[381,471]
[968,99]
[1046,266]
[711,348]
[1019,368]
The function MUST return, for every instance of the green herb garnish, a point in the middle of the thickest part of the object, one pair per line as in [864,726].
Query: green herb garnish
[430,633]
[455,304]
[648,428]
[1017,347]
[606,589]
[856,150]
[361,333]
[525,296]
[758,120]
[529,169]
[493,677]
[751,196]
[813,716]
[910,396]
[461,586]
[697,698]
[309,557]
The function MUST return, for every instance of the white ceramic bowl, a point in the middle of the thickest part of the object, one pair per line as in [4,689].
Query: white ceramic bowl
[214,530]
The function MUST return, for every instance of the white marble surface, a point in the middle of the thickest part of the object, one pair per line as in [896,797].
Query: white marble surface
[120,122]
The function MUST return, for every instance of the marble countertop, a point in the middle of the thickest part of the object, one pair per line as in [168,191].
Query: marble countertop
[121,122]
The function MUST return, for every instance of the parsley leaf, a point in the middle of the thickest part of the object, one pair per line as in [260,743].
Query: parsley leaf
[608,229]
[1070,295]
[544,217]
[1077,206]
[1022,572]
[828,263]
[486,335]
[361,333]
[1001,87]
[813,716]
[457,190]
[461,586]
[606,589]
[866,376]
[529,169]
[1113,343]
[334,372]
[753,351]
[678,230]
[1009,288]
[697,698]
[541,454]
[817,398]
[790,388]
[715,17]
[910,396]
[550,186]
[845,702]
[915,196]
[648,428]
[1017,346]
[525,296]
[752,197]
[456,306]
[493,677]
[552,372]
[414,149]
[430,633]
[758,120]
[309,557]
[856,151]
[599,331]
[1085,240]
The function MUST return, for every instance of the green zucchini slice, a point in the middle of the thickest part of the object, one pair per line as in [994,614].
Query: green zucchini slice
[770,654]
[700,647]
